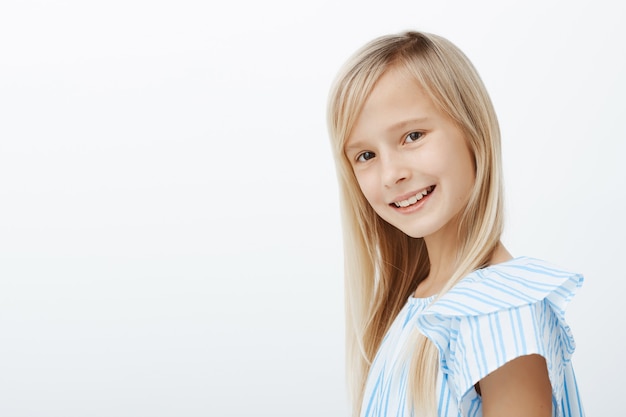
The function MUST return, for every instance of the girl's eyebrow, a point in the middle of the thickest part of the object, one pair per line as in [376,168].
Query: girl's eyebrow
[403,124]
[358,144]
[355,145]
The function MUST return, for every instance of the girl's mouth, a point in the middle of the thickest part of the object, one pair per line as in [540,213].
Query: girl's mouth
[412,200]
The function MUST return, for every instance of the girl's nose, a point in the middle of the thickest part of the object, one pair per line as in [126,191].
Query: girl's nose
[394,171]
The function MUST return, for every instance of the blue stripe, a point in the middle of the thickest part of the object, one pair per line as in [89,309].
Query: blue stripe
[475,407]
[520,327]
[501,337]
[375,391]
[513,330]
[442,405]
[496,337]
[566,404]
[537,332]
[482,362]
[475,294]
[575,392]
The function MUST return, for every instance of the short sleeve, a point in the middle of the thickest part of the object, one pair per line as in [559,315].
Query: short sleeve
[498,314]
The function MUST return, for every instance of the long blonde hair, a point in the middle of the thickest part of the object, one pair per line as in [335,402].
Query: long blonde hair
[383,266]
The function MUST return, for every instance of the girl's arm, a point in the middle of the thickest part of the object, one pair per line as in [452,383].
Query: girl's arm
[520,388]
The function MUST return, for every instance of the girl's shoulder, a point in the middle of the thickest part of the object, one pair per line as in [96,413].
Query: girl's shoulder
[499,313]
[514,283]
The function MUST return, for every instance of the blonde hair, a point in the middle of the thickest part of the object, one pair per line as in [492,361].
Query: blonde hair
[383,266]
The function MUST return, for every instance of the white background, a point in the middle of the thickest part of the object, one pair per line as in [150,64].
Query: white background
[169,233]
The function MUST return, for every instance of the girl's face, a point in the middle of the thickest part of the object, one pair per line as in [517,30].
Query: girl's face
[411,160]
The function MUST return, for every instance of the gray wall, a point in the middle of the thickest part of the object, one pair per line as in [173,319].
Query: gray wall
[169,233]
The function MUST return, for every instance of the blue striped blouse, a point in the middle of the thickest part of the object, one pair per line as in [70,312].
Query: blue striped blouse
[489,318]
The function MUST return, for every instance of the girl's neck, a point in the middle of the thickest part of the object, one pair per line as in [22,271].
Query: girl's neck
[441,268]
[442,261]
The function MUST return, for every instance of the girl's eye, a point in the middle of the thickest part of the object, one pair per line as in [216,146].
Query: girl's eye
[365,156]
[413,137]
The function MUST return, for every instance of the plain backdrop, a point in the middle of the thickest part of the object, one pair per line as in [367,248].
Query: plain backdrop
[169,233]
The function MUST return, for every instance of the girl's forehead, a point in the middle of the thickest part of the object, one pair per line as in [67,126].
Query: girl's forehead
[395,102]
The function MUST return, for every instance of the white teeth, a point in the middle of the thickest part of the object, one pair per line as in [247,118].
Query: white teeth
[414,199]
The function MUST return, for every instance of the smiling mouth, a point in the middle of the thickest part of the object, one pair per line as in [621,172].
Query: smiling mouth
[412,200]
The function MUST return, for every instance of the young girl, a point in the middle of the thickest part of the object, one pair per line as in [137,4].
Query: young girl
[440,318]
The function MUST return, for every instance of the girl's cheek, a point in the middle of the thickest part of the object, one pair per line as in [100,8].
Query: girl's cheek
[367,185]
